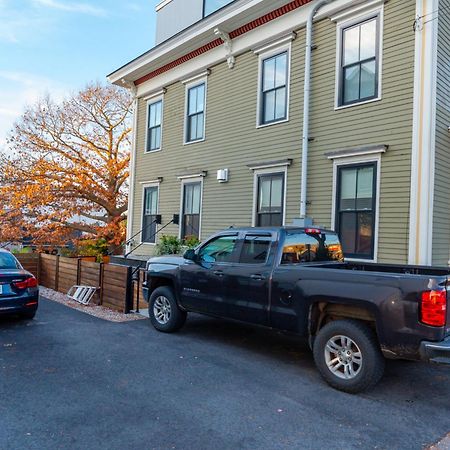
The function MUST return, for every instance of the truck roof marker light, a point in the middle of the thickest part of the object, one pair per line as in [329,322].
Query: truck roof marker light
[433,309]
[313,231]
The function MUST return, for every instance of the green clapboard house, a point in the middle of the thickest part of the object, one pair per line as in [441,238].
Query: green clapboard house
[248,112]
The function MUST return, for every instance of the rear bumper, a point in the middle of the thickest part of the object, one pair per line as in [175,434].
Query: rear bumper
[18,305]
[438,352]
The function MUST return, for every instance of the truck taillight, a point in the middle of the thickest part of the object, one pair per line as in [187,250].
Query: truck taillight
[30,282]
[433,310]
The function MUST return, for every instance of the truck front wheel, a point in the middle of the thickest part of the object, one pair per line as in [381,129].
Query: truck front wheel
[164,312]
[348,356]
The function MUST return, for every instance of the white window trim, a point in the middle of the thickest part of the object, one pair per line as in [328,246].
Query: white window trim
[349,20]
[286,47]
[147,185]
[191,83]
[337,163]
[269,170]
[150,101]
[190,180]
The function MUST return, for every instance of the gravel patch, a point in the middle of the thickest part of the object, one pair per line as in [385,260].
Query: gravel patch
[93,310]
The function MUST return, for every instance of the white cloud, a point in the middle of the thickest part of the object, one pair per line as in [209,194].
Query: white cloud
[18,90]
[82,8]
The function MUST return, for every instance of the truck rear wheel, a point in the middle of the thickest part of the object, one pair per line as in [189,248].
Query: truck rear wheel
[348,356]
[164,312]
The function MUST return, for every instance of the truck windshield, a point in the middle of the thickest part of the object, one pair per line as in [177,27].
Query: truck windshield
[314,246]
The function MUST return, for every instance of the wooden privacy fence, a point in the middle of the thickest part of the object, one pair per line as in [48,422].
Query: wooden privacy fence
[114,282]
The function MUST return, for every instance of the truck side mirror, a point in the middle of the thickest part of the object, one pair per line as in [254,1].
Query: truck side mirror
[190,255]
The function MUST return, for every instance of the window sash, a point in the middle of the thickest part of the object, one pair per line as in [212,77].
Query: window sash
[359,63]
[359,220]
[191,210]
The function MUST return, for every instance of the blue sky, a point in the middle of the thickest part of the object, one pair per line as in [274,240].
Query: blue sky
[58,46]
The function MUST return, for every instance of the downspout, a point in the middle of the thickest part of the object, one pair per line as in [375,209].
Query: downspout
[306,105]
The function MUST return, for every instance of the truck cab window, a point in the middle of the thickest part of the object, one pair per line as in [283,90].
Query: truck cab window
[221,249]
[255,249]
[301,247]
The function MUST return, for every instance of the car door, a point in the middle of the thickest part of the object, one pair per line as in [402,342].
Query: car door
[247,280]
[203,281]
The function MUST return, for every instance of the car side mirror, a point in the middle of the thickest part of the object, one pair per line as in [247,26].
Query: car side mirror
[190,255]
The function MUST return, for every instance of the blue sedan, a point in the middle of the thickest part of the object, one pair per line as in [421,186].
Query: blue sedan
[19,292]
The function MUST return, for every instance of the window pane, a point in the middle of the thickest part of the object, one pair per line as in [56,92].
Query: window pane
[219,250]
[277,194]
[351,84]
[255,250]
[281,70]
[193,128]
[264,194]
[200,98]
[368,79]
[196,194]
[280,105]
[365,188]
[348,189]
[214,5]
[192,101]
[368,40]
[351,45]
[199,132]
[191,226]
[188,192]
[347,231]
[269,106]
[269,74]
[363,243]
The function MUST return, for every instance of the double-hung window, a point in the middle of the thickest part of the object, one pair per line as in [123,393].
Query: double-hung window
[270,200]
[154,126]
[274,88]
[360,62]
[195,120]
[355,209]
[150,214]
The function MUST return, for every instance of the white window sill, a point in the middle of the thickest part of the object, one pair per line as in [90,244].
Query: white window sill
[194,142]
[148,152]
[337,108]
[278,122]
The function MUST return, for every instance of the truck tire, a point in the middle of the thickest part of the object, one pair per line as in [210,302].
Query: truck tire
[164,312]
[348,356]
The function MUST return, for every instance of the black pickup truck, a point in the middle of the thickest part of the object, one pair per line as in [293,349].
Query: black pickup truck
[295,279]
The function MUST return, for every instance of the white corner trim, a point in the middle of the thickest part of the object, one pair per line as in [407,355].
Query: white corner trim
[195,78]
[267,46]
[424,138]
[361,8]
[155,95]
[132,186]
[376,158]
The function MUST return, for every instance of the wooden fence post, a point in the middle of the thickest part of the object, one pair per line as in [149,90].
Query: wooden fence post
[79,271]
[129,294]
[100,282]
[39,263]
[56,272]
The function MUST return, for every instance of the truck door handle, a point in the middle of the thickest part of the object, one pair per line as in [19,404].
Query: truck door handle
[257,277]
[219,273]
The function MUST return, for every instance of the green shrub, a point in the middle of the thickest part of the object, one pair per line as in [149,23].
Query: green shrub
[172,245]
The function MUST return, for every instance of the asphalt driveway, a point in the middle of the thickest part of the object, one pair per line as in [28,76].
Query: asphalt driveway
[69,380]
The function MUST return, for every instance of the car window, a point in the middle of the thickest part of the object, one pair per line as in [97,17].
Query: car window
[220,249]
[313,246]
[255,249]
[7,261]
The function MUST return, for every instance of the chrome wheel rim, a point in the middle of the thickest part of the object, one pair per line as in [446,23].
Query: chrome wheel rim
[343,357]
[162,310]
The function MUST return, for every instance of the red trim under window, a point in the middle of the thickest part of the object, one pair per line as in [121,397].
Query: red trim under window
[218,42]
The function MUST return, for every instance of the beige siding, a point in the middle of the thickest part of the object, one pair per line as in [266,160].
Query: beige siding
[233,141]
[441,219]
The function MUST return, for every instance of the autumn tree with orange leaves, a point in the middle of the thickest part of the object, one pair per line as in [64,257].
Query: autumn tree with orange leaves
[65,171]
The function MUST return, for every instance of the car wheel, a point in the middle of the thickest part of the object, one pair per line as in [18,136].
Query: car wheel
[164,312]
[348,356]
